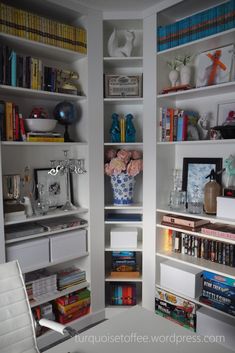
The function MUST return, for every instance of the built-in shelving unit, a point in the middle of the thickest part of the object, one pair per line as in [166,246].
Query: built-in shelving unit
[86,132]
[170,155]
[123,66]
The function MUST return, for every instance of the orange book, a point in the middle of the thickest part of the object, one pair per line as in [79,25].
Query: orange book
[9,121]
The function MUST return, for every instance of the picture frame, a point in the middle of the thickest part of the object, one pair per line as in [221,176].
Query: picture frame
[223,111]
[214,66]
[195,171]
[55,186]
[123,86]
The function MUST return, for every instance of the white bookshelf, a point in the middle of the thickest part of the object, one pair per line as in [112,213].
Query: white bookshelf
[169,155]
[86,132]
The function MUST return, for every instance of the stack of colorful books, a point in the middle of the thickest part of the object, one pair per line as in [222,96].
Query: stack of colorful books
[203,24]
[19,70]
[177,309]
[28,25]
[178,125]
[123,294]
[219,292]
[70,277]
[40,284]
[72,306]
[124,264]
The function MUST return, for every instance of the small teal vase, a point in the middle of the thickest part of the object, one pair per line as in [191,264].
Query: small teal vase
[123,189]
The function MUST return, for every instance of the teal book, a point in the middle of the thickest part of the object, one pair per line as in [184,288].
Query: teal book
[13,68]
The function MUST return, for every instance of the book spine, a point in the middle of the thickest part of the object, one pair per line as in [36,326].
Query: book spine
[180,221]
[45,139]
[17,124]
[13,68]
[218,233]
[2,121]
[185,127]
[22,128]
[9,121]
[171,113]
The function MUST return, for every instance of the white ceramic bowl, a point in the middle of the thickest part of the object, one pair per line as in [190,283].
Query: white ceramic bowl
[40,125]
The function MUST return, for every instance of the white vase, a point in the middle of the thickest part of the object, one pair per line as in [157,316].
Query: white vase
[173,77]
[185,75]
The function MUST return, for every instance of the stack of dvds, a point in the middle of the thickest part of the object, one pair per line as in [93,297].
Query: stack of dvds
[39,284]
[123,294]
[70,277]
[72,306]
[124,264]
[212,250]
[219,292]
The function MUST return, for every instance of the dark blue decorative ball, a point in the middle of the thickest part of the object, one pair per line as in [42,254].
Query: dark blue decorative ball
[65,112]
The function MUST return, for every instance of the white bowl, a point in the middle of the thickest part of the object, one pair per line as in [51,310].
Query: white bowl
[40,125]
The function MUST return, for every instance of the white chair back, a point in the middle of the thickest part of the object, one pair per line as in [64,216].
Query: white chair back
[17,334]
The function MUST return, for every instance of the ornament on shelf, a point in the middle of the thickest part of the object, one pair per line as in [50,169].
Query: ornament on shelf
[174,73]
[204,126]
[122,128]
[130,129]
[115,130]
[113,44]
[67,166]
[66,114]
[185,68]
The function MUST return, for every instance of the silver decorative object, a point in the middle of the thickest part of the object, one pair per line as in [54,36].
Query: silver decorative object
[67,166]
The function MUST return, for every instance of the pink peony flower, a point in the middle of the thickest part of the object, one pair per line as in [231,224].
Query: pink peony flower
[124,155]
[136,154]
[109,154]
[135,167]
[117,165]
[108,169]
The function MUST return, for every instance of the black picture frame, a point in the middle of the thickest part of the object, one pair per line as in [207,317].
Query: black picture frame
[55,186]
[195,171]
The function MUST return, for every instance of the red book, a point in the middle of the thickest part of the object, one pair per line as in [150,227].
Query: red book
[124,295]
[129,295]
[17,124]
[219,230]
[22,129]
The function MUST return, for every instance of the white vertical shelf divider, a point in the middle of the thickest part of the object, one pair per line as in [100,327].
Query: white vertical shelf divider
[2,236]
[149,154]
[96,170]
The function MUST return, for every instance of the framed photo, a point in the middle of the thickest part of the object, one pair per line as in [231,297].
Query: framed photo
[195,171]
[123,86]
[226,112]
[214,66]
[55,186]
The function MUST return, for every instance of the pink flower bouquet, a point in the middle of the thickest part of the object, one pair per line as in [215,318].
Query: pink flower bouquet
[123,161]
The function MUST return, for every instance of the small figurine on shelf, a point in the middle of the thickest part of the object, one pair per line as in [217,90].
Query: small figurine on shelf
[130,129]
[115,131]
[204,126]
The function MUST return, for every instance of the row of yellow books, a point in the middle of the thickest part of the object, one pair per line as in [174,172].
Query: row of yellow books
[27,25]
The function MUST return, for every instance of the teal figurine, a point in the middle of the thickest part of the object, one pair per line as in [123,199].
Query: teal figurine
[115,130]
[130,129]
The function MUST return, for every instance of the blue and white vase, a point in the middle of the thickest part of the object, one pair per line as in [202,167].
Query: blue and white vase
[123,189]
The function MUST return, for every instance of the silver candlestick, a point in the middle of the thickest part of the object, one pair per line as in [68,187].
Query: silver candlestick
[65,167]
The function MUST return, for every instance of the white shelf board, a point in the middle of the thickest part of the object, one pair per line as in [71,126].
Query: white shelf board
[200,45]
[197,234]
[112,279]
[50,214]
[138,249]
[40,49]
[47,298]
[38,94]
[25,143]
[134,206]
[44,234]
[208,91]
[199,263]
[116,144]
[213,219]
[115,62]
[198,142]
[195,300]
[123,100]
[139,224]
[49,264]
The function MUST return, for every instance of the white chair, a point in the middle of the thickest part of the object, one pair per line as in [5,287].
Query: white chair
[17,325]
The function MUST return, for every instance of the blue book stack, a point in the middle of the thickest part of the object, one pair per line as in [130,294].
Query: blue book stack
[174,34]
[184,31]
[229,17]
[220,17]
[195,22]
